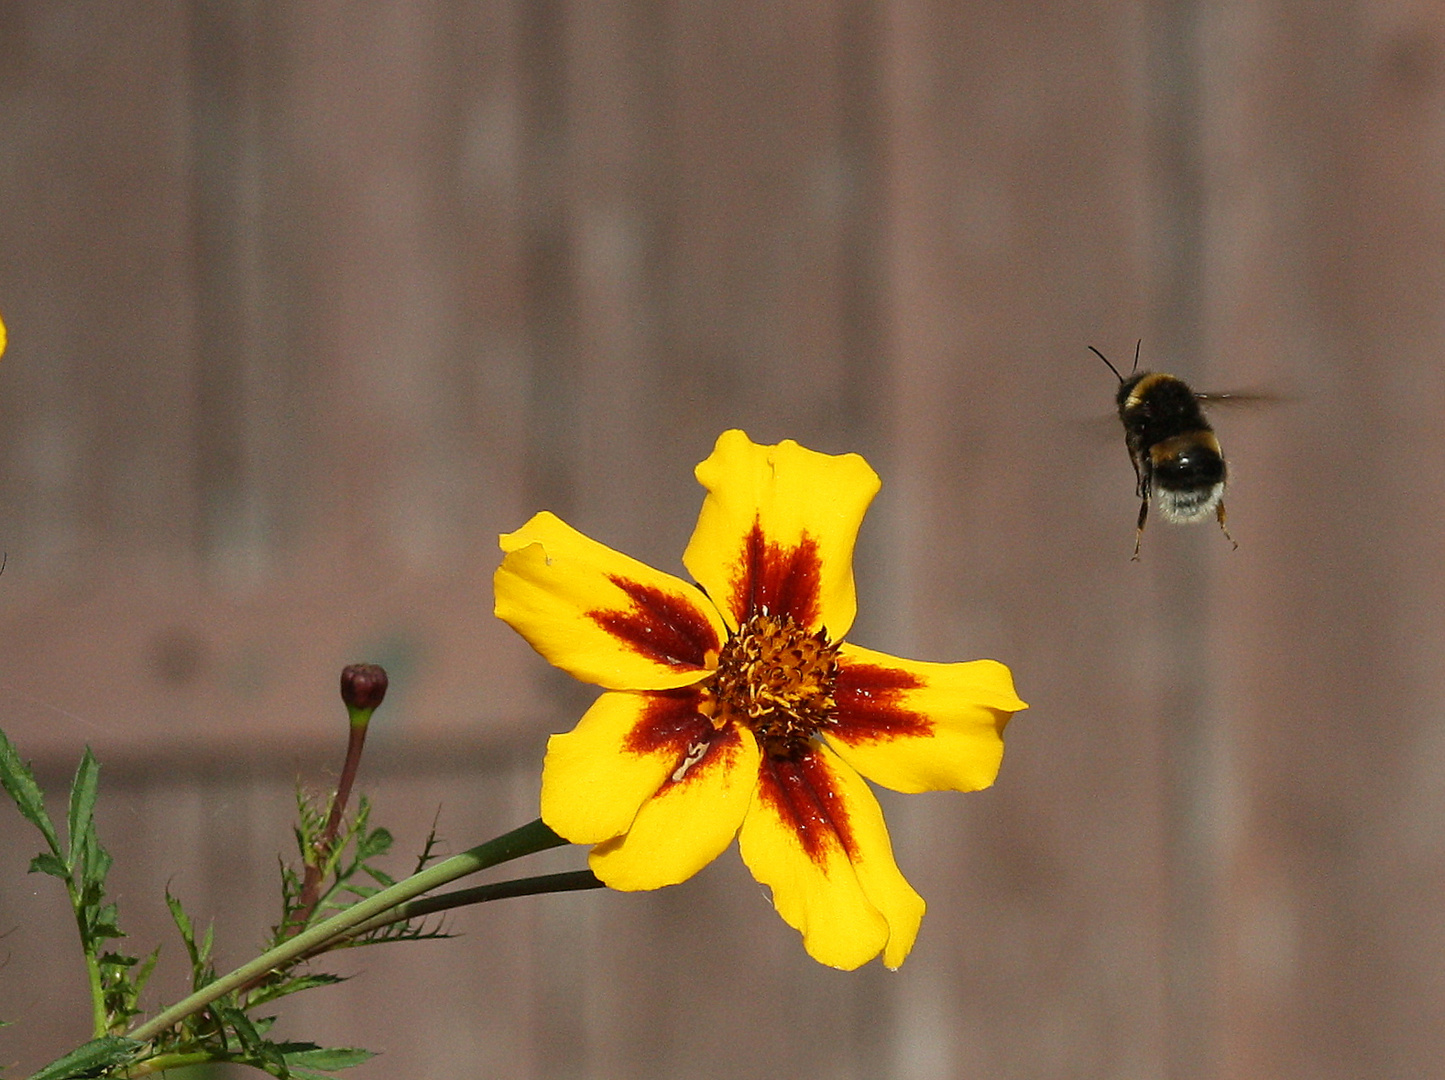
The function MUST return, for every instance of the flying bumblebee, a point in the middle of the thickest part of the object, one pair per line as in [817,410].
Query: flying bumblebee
[1175,453]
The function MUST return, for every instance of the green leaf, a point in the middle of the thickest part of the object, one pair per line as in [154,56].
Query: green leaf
[143,973]
[201,972]
[264,994]
[377,843]
[54,865]
[381,877]
[81,820]
[246,1032]
[257,1046]
[183,924]
[19,782]
[96,862]
[341,1057]
[102,1053]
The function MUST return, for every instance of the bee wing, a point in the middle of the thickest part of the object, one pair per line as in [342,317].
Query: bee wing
[1247,398]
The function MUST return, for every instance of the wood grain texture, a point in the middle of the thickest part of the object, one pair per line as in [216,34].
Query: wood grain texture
[307,304]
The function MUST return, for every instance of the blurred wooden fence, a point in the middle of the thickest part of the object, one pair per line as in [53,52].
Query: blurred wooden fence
[308,302]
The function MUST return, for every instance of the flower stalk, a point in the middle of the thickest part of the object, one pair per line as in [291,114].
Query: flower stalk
[363,687]
[568,881]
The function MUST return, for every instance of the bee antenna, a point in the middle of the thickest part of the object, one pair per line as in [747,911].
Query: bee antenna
[1112,368]
[1136,355]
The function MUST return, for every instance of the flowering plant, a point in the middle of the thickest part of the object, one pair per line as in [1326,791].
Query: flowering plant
[734,706]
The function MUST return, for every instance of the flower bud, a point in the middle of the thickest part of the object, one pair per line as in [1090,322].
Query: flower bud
[363,686]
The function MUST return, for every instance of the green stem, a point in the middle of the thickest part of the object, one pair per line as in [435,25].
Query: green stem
[99,1017]
[529,838]
[570,881]
[162,1062]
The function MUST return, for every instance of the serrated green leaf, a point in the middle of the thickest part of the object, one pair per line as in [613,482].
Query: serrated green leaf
[103,924]
[54,865]
[293,986]
[183,923]
[96,861]
[102,1053]
[292,1046]
[81,820]
[246,1033]
[19,783]
[378,842]
[268,1055]
[102,930]
[143,973]
[267,994]
[340,1057]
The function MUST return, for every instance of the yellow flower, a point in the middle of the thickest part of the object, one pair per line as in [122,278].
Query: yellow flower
[736,708]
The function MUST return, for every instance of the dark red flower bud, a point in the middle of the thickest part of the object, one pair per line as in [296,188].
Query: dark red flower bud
[363,686]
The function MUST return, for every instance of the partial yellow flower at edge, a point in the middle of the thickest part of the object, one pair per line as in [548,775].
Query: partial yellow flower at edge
[3,337]
[737,708]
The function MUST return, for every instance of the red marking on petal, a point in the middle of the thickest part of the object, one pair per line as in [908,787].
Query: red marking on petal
[867,700]
[784,581]
[801,791]
[661,626]
[670,719]
[672,723]
[710,750]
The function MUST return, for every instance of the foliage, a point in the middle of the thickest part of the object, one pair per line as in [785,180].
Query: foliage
[229,1029]
[82,863]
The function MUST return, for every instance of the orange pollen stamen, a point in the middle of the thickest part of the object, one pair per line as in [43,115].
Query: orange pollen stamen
[776,679]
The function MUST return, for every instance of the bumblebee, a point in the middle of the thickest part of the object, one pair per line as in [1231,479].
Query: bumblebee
[1175,452]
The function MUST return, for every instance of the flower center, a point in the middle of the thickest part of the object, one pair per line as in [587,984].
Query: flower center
[777,680]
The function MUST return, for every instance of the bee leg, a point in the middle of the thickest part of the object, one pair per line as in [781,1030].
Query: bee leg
[1139,528]
[1219,513]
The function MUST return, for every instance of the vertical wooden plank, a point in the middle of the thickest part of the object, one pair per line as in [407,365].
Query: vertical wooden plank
[695,189]
[1017,231]
[96,291]
[1192,739]
[1327,273]
[231,164]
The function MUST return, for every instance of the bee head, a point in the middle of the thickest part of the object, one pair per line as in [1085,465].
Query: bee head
[1112,368]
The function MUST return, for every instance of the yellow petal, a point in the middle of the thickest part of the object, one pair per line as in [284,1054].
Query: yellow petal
[596,776]
[601,616]
[914,726]
[691,819]
[815,835]
[777,529]
[3,338]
